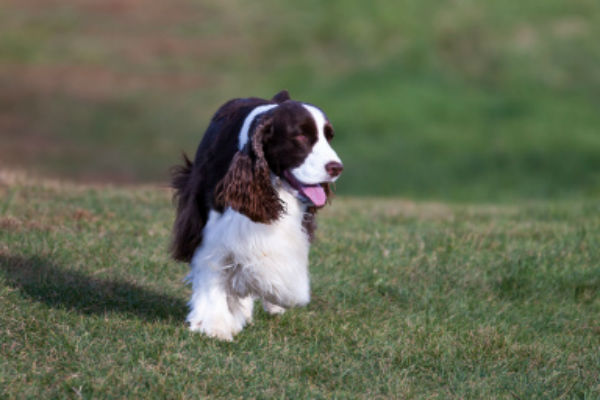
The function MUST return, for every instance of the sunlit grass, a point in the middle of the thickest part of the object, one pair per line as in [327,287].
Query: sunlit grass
[409,300]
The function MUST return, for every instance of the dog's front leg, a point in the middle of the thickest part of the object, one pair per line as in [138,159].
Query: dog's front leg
[215,311]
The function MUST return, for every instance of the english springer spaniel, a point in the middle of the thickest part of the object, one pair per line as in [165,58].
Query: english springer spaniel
[246,209]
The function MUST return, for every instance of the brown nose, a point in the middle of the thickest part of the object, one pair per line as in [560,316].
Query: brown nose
[334,168]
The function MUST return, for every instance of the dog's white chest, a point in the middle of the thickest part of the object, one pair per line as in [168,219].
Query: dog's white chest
[271,259]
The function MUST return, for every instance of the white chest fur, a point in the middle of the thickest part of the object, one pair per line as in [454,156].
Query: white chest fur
[240,259]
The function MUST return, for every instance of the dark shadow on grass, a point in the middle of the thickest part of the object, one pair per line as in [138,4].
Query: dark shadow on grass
[50,284]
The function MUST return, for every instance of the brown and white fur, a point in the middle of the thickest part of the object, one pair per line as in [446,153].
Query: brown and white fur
[246,208]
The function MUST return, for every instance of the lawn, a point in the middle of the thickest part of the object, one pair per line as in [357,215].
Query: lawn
[459,260]
[459,100]
[409,300]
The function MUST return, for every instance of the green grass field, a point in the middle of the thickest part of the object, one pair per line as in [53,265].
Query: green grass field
[459,260]
[461,100]
[409,300]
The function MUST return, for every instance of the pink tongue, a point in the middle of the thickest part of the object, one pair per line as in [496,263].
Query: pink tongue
[315,193]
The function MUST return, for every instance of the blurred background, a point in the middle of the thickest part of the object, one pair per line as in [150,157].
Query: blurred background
[460,100]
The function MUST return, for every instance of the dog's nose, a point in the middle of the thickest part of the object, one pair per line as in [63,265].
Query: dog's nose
[334,168]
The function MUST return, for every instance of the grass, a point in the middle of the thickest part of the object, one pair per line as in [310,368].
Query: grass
[485,114]
[409,300]
[465,101]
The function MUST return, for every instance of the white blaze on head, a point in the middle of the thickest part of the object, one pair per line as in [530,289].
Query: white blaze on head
[243,138]
[313,170]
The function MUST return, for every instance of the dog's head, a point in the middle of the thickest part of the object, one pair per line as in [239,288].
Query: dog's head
[290,141]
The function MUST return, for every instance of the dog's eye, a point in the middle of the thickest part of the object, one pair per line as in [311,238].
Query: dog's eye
[328,132]
[302,139]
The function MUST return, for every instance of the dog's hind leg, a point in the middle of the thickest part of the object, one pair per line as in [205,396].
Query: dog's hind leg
[272,309]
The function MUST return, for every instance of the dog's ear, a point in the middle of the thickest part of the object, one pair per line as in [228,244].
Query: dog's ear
[247,186]
[328,192]
[281,97]
[309,220]
[191,211]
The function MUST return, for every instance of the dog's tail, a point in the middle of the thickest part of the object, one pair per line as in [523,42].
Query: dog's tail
[190,213]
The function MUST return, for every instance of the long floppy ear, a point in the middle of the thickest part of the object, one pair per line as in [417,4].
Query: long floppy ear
[309,220]
[247,186]
[328,191]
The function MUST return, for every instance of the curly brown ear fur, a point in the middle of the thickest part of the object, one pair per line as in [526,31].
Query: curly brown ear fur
[309,221]
[328,191]
[190,214]
[247,186]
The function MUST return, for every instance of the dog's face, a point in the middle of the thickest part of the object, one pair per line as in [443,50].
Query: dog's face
[290,140]
[297,148]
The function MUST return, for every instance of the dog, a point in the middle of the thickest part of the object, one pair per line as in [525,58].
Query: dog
[245,209]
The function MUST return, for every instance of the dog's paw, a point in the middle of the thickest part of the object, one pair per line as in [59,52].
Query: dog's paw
[219,330]
[273,309]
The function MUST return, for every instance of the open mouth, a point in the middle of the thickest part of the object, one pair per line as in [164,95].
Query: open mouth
[313,193]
